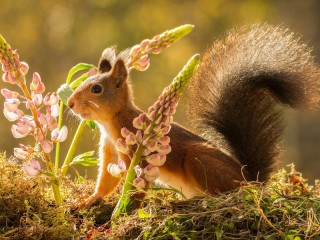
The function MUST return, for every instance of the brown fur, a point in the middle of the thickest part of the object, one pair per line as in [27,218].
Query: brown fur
[232,99]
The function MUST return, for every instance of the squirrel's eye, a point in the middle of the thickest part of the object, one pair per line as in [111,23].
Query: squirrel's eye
[96,89]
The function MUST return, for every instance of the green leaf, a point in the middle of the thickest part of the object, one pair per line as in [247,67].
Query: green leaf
[91,124]
[79,80]
[77,68]
[143,214]
[80,179]
[85,159]
[64,93]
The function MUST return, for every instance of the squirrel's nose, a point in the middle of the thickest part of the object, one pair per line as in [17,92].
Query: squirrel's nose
[70,104]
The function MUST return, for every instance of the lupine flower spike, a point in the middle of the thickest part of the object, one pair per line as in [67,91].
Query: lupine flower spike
[38,124]
[150,143]
[139,58]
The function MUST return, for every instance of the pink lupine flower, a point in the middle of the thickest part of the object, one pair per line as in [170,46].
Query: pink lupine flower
[131,139]
[21,129]
[156,159]
[37,99]
[11,104]
[13,116]
[166,149]
[24,68]
[9,94]
[165,140]
[20,153]
[122,146]
[139,136]
[153,146]
[151,173]
[116,169]
[125,132]
[9,78]
[36,85]
[51,99]
[46,145]
[138,170]
[139,182]
[59,135]
[51,122]
[54,109]
[32,168]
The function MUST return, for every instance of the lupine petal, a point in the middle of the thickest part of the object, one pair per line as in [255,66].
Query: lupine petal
[20,153]
[156,159]
[12,116]
[165,140]
[122,146]
[46,145]
[164,149]
[9,94]
[125,132]
[151,173]
[139,182]
[55,110]
[24,68]
[114,169]
[30,171]
[35,164]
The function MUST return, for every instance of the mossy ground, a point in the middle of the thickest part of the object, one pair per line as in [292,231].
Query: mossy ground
[285,208]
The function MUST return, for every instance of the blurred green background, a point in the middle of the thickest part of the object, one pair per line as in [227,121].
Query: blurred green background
[54,35]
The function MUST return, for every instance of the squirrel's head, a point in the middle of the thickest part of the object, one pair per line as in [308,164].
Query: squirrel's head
[102,96]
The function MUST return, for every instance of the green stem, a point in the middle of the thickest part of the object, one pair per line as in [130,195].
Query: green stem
[57,158]
[73,147]
[131,175]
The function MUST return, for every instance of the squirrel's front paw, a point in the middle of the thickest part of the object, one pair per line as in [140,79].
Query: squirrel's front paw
[88,201]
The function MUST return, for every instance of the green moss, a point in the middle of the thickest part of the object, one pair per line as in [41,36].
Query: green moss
[285,208]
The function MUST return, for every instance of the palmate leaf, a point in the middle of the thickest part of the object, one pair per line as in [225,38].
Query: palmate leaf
[85,159]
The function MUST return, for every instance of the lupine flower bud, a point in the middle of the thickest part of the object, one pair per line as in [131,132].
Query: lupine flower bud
[51,99]
[152,115]
[137,123]
[139,135]
[146,152]
[37,99]
[156,159]
[59,135]
[151,173]
[166,130]
[24,68]
[11,104]
[51,121]
[165,140]
[54,109]
[9,94]
[139,182]
[13,116]
[135,50]
[32,168]
[131,139]
[148,130]
[122,165]
[122,146]
[125,132]
[153,146]
[20,153]
[36,85]
[46,145]
[164,149]
[26,148]
[9,78]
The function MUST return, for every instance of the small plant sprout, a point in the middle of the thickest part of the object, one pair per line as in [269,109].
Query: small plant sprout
[150,142]
[42,119]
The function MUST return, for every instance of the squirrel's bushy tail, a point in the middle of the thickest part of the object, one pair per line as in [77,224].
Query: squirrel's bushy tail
[240,79]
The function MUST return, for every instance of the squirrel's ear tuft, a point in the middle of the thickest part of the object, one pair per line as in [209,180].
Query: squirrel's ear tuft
[120,72]
[106,60]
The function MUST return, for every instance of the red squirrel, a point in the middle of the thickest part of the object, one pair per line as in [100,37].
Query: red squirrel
[232,105]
